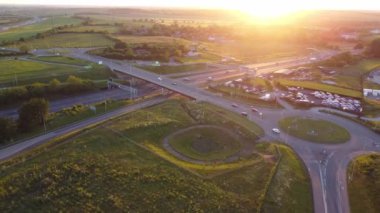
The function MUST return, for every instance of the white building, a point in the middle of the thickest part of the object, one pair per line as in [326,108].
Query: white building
[371,92]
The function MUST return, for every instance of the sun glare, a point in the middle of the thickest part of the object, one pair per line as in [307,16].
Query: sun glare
[268,10]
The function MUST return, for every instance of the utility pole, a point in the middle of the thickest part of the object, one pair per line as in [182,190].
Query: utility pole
[16,79]
[105,104]
[43,120]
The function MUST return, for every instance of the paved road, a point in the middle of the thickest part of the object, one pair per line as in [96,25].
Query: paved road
[86,99]
[326,163]
[19,147]
[327,171]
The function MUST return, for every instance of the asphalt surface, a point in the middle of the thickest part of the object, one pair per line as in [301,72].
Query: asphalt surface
[86,99]
[27,144]
[326,164]
[327,171]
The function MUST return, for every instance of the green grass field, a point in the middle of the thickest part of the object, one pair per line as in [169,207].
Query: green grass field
[69,40]
[62,60]
[5,19]
[26,72]
[318,131]
[249,51]
[31,30]
[84,29]
[109,168]
[206,143]
[174,69]
[157,40]
[321,87]
[364,184]
[290,190]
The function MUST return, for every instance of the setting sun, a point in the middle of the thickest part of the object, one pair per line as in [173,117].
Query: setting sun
[267,10]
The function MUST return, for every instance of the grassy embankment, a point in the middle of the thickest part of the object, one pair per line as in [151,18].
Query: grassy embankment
[103,169]
[364,184]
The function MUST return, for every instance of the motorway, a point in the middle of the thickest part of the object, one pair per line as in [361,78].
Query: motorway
[86,99]
[28,144]
[326,164]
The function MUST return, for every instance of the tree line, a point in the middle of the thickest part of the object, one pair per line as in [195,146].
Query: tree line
[73,85]
[121,50]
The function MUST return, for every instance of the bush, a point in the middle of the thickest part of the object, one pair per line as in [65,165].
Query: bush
[7,129]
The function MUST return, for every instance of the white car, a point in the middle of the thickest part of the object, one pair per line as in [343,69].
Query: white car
[276,130]
[159,78]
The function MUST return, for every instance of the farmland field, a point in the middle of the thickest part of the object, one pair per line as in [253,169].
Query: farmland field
[256,51]
[111,168]
[83,29]
[26,72]
[5,20]
[69,40]
[159,40]
[31,30]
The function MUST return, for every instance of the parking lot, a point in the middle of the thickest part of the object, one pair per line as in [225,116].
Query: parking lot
[319,98]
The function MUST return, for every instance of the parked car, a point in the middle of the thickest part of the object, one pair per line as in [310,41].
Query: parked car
[244,114]
[234,105]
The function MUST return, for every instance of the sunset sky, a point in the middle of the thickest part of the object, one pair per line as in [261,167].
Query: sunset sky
[260,8]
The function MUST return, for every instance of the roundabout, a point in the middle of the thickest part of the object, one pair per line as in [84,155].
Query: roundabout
[314,130]
[204,143]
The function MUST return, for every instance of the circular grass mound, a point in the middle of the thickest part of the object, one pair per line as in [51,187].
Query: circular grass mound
[314,130]
[205,143]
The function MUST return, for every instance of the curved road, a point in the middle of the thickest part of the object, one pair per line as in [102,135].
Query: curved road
[326,164]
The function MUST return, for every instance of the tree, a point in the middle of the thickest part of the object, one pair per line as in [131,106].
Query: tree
[7,129]
[54,85]
[32,113]
[74,80]
[120,45]
[25,49]
[129,53]
[36,89]
[374,48]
